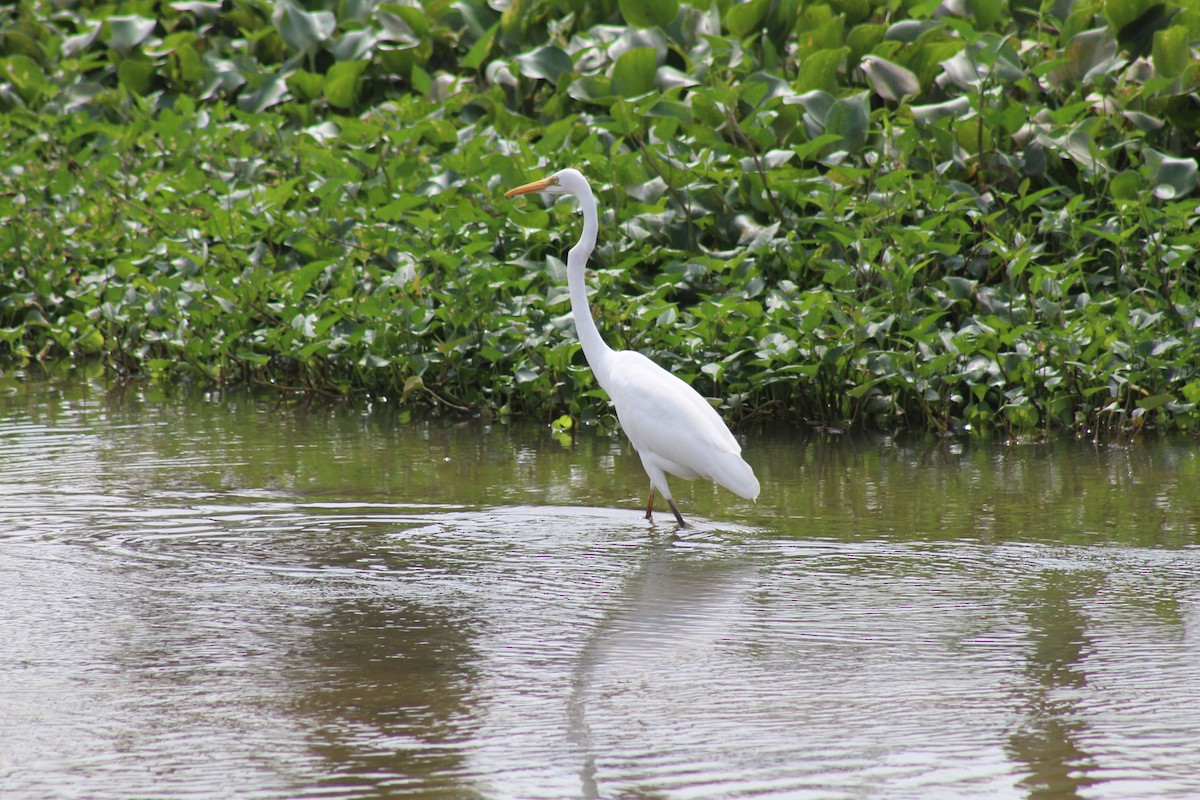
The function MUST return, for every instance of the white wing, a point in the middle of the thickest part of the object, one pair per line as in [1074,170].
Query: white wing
[669,423]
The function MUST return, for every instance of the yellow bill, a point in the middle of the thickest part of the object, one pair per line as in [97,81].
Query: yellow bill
[536,186]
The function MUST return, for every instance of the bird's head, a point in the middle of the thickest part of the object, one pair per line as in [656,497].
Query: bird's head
[566,181]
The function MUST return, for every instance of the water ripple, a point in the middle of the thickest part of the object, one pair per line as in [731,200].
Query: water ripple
[195,609]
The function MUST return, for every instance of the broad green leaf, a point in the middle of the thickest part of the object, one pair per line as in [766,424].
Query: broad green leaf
[354,46]
[819,71]
[668,77]
[1126,186]
[343,82]
[958,107]
[273,91]
[421,80]
[890,81]
[545,63]
[1123,12]
[848,117]
[645,13]
[480,49]
[909,30]
[26,76]
[1154,401]
[1170,176]
[1138,36]
[592,89]
[1088,54]
[633,74]
[743,18]
[1170,52]
[187,64]
[206,10]
[304,30]
[307,85]
[127,32]
[986,13]
[136,74]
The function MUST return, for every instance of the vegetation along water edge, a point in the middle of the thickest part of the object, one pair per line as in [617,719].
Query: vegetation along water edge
[852,213]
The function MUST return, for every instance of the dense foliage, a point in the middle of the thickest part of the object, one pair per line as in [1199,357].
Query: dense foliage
[853,212]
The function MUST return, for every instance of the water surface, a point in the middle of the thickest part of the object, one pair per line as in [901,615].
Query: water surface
[240,595]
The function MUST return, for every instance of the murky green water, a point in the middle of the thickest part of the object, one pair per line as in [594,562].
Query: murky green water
[220,597]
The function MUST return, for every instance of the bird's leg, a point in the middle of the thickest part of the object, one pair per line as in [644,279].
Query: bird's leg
[650,504]
[678,516]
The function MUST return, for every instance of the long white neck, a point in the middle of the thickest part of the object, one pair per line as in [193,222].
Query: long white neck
[595,350]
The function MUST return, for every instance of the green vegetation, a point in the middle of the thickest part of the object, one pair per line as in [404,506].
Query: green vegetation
[887,213]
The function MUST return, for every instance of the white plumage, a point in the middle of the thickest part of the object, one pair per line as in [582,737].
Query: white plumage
[674,430]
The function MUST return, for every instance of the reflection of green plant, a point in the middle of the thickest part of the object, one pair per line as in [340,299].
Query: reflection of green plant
[843,212]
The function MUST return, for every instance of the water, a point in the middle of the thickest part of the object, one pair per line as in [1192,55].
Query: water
[216,596]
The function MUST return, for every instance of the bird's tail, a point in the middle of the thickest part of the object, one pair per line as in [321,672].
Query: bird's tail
[731,471]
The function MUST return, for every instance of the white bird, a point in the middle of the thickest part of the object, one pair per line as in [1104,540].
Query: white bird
[673,429]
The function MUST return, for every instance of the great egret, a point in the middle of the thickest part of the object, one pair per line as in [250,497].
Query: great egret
[672,427]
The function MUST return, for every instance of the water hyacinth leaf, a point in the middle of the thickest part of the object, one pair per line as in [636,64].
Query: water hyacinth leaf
[1121,13]
[74,45]
[668,77]
[545,63]
[354,46]
[1138,36]
[633,38]
[1143,122]
[670,109]
[986,13]
[1170,52]
[909,30]
[274,90]
[1154,401]
[1088,54]
[743,18]
[394,28]
[890,81]
[1170,176]
[1126,186]
[26,76]
[303,30]
[633,74]
[186,64]
[204,10]
[480,49]
[592,89]
[848,118]
[415,17]
[127,32]
[136,75]
[647,13]
[421,80]
[958,107]
[307,85]
[343,82]
[819,70]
